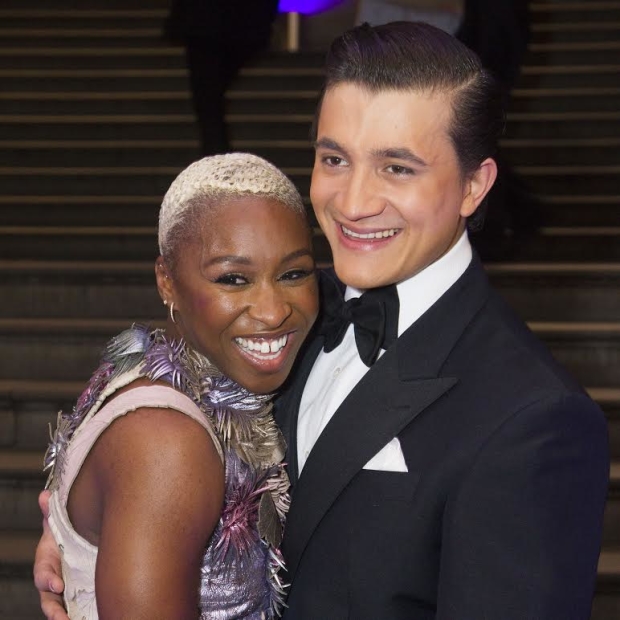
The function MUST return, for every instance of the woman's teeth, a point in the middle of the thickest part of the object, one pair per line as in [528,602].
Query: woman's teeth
[263,346]
[381,234]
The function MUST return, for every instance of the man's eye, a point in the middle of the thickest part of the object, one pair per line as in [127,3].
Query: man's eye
[333,160]
[399,170]
[231,279]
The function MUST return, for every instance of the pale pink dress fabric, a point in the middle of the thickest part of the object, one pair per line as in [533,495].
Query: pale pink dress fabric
[79,557]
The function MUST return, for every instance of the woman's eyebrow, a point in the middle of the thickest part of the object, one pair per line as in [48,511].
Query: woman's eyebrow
[229,258]
[296,254]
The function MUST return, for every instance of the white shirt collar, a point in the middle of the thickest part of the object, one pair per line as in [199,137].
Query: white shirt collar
[418,293]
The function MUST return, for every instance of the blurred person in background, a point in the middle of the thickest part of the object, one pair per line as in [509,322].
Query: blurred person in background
[219,38]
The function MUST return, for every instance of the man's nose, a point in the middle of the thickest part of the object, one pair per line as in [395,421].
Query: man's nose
[360,196]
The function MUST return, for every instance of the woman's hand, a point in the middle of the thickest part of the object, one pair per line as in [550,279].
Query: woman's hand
[47,569]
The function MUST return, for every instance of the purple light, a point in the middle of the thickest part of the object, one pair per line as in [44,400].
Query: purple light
[307,7]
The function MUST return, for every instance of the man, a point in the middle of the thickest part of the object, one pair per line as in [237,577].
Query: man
[457,472]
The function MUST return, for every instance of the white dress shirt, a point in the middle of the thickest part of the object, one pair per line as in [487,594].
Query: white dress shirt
[336,373]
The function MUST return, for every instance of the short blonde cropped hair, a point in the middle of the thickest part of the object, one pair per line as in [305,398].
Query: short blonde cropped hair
[214,180]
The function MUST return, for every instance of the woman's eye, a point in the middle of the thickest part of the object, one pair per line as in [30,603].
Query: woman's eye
[296,274]
[231,279]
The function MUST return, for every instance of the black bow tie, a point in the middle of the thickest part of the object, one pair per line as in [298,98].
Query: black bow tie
[374,316]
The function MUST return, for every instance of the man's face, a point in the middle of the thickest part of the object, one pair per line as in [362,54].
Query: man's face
[386,188]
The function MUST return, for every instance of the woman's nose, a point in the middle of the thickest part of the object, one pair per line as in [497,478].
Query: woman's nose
[270,306]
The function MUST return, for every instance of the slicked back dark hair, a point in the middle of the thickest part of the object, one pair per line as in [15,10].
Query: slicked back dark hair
[417,57]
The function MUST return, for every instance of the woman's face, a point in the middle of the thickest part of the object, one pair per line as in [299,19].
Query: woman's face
[245,291]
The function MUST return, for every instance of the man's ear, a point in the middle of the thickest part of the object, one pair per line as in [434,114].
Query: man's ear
[479,185]
[164,281]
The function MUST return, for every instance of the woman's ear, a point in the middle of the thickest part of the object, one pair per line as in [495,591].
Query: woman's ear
[479,185]
[164,281]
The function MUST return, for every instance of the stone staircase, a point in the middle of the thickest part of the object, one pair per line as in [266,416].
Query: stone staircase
[95,121]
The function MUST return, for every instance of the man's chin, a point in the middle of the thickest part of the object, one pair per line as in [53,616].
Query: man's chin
[356,276]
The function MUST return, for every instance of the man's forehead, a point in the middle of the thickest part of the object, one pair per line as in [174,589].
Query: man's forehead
[385,120]
[358,89]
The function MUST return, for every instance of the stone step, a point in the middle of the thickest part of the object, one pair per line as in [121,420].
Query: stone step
[17,548]
[69,349]
[253,126]
[150,180]
[265,78]
[75,243]
[130,243]
[561,151]
[574,11]
[71,153]
[28,407]
[84,27]
[105,28]
[590,351]
[577,75]
[137,80]
[38,21]
[99,55]
[609,401]
[611,531]
[254,101]
[559,210]
[575,99]
[561,291]
[22,478]
[18,598]
[57,349]
[571,243]
[269,101]
[20,601]
[568,32]
[79,289]
[68,24]
[16,34]
[161,56]
[76,210]
[563,124]
[606,604]
[572,52]
[116,289]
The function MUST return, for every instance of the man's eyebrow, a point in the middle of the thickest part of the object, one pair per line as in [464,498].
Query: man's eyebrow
[399,153]
[329,144]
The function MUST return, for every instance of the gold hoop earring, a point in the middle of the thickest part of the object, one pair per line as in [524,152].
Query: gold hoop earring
[172,313]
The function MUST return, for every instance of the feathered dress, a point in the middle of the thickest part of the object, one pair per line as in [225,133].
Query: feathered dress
[241,563]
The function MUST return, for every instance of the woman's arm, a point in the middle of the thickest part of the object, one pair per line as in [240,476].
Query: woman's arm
[161,482]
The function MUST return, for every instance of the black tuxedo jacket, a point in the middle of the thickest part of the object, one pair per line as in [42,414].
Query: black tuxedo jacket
[500,514]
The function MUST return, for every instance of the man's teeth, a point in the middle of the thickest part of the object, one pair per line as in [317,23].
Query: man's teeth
[390,232]
[262,346]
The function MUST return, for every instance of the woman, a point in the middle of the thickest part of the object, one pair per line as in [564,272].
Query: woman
[168,491]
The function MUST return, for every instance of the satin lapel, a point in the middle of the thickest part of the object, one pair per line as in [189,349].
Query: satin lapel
[404,382]
[372,415]
[287,405]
